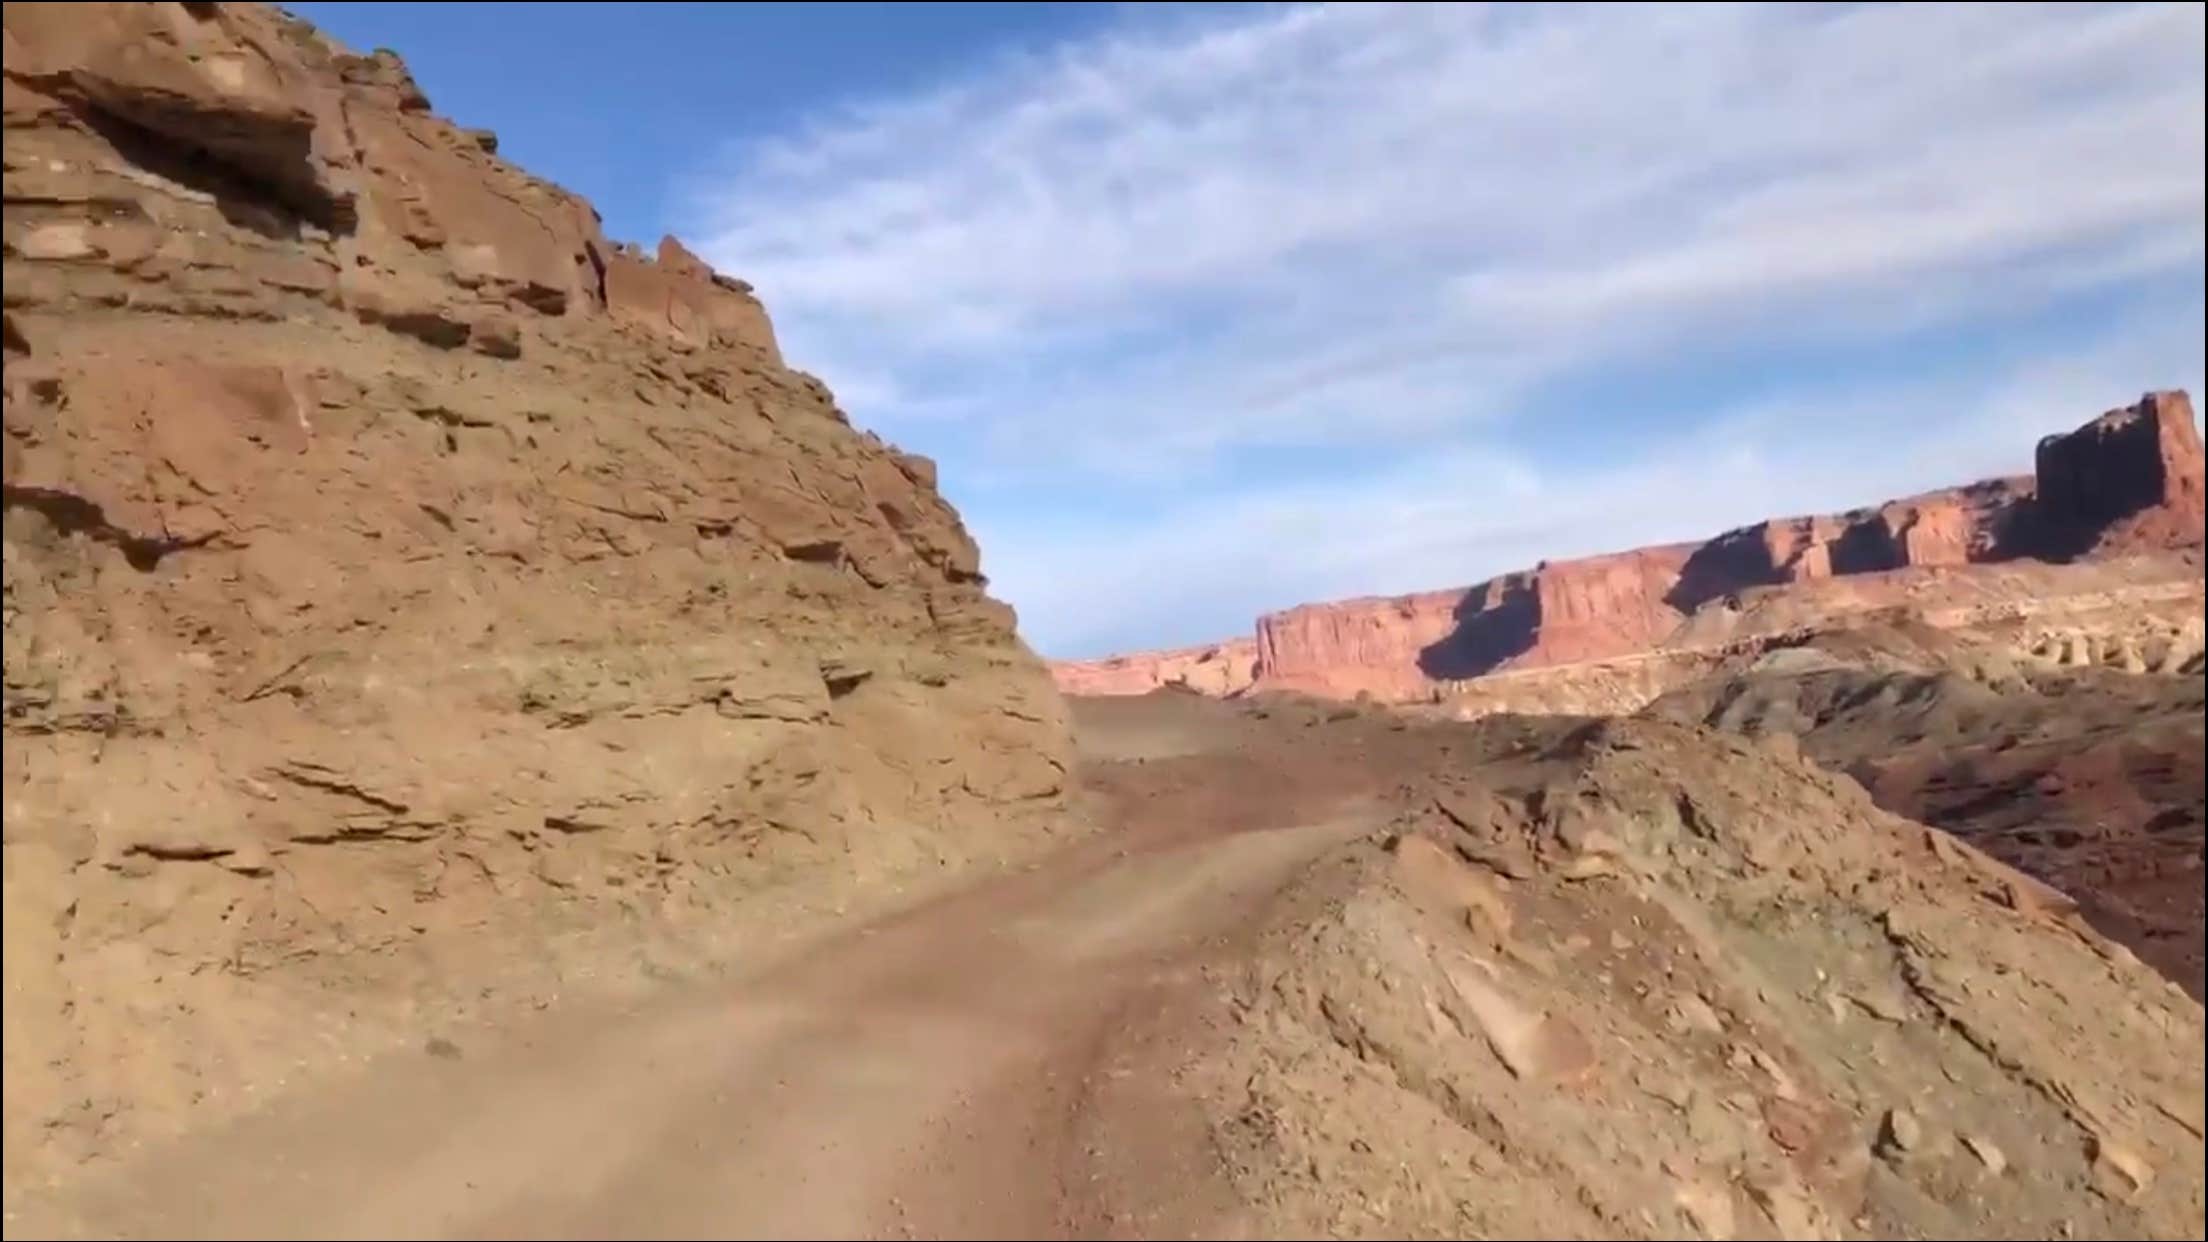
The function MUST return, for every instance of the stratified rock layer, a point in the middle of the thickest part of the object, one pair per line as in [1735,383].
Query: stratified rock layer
[2126,483]
[2130,478]
[416,602]
[1220,668]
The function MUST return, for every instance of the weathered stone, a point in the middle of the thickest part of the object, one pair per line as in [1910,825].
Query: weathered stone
[2142,460]
[1710,1208]
[1217,669]
[1900,1132]
[1692,1013]
[1988,1153]
[325,641]
[1430,869]
[2119,1172]
[495,333]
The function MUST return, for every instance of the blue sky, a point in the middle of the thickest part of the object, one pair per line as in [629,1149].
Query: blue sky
[1211,310]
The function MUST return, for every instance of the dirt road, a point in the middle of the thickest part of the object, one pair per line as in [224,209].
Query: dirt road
[990,1064]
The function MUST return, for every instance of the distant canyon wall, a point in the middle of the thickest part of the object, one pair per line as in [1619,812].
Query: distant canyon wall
[1217,668]
[2129,481]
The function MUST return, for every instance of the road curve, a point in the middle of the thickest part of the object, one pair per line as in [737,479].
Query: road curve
[974,1067]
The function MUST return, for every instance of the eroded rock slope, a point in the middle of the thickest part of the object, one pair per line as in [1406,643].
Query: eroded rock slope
[1638,979]
[416,602]
[2076,759]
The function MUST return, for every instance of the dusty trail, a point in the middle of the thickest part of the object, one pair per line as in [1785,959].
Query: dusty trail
[974,1067]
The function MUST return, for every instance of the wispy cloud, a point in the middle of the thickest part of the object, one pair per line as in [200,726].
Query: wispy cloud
[1133,271]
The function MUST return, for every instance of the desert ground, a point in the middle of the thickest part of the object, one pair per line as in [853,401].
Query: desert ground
[1273,993]
[492,749]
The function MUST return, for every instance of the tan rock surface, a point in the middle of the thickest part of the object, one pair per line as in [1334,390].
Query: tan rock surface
[415,604]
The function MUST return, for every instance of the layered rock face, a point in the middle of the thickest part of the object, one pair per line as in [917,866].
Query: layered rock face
[1958,527]
[415,602]
[2130,478]
[1394,648]
[2072,754]
[2129,482]
[1308,647]
[1220,668]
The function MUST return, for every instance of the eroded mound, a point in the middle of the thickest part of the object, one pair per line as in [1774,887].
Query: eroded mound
[1634,979]
[2079,772]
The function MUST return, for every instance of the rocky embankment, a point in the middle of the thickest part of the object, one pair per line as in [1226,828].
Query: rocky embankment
[2073,758]
[417,603]
[1634,978]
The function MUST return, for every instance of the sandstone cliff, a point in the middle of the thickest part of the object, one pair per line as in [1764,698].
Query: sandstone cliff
[2128,482]
[2130,478]
[417,603]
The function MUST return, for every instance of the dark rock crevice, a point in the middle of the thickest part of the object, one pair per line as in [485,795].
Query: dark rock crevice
[72,514]
[259,168]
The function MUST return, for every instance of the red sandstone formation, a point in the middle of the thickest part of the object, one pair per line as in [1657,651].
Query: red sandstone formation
[1220,668]
[2132,478]
[2129,481]
[1956,527]
[1299,648]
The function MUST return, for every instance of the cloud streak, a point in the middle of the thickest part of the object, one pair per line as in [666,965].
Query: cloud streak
[1214,273]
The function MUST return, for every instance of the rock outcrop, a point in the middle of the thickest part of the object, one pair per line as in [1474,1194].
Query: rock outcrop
[1632,979]
[416,603]
[2127,483]
[2130,478]
[1559,612]
[1960,527]
[2074,757]
[1311,647]
[1219,668]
